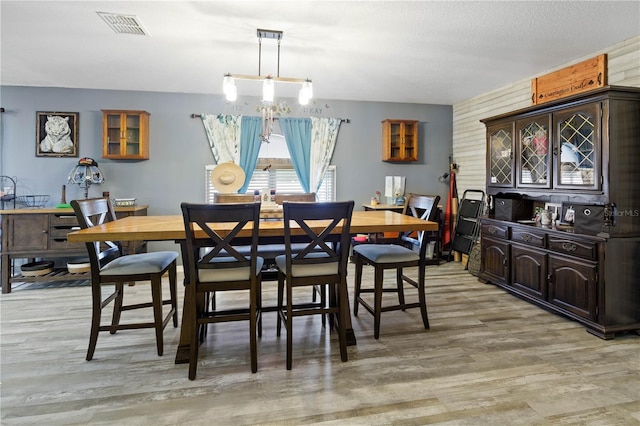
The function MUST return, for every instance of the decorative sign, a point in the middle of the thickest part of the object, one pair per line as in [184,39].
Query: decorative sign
[582,77]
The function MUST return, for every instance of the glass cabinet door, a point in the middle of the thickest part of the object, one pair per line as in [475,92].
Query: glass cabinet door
[578,141]
[395,140]
[132,134]
[500,173]
[408,141]
[534,152]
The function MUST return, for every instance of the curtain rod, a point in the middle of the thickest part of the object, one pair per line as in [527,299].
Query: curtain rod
[342,120]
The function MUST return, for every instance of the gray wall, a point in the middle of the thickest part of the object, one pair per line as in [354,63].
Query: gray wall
[179,148]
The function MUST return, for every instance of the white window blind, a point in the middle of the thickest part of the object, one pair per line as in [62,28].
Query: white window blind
[283,180]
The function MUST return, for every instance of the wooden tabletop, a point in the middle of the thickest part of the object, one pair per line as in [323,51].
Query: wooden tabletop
[171,227]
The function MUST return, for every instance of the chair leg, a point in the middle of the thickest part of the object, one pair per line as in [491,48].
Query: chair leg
[156,298]
[253,325]
[422,297]
[280,302]
[96,312]
[323,301]
[358,284]
[377,300]
[400,285]
[343,311]
[289,325]
[174,293]
[195,342]
[117,307]
[259,307]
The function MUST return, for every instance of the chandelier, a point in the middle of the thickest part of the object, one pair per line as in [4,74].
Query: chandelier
[268,84]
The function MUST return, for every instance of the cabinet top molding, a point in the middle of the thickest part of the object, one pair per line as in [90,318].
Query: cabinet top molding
[578,78]
[587,96]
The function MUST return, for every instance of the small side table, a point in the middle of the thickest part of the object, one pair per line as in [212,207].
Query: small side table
[392,207]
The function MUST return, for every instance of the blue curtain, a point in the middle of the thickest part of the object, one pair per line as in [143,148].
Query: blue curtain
[251,128]
[297,134]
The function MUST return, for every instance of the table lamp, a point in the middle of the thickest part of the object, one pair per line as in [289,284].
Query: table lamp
[86,173]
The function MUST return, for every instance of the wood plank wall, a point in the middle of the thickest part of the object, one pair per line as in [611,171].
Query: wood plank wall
[469,142]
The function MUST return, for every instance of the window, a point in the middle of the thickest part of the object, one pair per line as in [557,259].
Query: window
[275,171]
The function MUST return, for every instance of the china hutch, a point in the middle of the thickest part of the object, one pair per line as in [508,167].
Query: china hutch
[582,152]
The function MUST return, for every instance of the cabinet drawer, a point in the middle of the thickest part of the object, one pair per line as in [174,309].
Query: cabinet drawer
[59,233]
[63,220]
[62,244]
[495,230]
[575,248]
[525,236]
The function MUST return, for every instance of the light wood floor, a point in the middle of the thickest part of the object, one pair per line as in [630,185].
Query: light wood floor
[489,359]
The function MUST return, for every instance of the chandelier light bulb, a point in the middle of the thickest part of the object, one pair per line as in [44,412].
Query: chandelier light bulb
[268,90]
[307,88]
[231,93]
[302,98]
[227,83]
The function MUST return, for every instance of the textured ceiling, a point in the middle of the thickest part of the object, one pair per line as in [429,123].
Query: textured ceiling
[440,52]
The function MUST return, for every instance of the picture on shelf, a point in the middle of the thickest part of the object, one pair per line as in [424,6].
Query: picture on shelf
[556,211]
[57,134]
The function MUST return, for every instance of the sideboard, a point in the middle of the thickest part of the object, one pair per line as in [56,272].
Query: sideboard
[581,151]
[31,233]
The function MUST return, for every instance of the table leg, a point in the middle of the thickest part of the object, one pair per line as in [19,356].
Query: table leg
[5,268]
[182,355]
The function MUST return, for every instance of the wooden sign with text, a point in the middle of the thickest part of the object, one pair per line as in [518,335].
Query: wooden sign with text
[581,77]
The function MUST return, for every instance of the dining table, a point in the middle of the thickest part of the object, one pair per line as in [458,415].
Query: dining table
[171,228]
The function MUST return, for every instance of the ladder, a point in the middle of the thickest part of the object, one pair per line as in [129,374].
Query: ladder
[468,221]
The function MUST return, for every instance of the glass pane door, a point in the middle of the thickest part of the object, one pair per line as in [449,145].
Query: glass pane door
[133,135]
[578,141]
[114,134]
[534,152]
[500,157]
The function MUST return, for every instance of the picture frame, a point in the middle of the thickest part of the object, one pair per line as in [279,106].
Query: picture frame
[563,218]
[556,211]
[57,134]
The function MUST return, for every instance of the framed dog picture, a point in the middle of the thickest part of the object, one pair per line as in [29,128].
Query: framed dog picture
[57,134]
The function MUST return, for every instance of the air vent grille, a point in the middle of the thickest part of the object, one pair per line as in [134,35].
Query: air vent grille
[124,24]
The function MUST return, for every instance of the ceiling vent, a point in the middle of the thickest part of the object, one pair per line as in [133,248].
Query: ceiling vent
[124,24]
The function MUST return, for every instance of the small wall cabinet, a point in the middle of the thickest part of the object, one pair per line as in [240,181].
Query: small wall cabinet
[125,135]
[399,140]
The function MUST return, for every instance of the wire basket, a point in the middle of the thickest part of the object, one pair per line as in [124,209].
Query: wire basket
[32,200]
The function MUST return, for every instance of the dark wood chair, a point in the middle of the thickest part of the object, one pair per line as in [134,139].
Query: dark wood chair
[321,262]
[409,251]
[109,266]
[215,265]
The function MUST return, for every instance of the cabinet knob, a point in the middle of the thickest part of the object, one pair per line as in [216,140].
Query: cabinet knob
[569,247]
[525,237]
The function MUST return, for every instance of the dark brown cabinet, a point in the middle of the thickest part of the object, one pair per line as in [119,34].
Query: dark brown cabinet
[42,233]
[572,286]
[529,271]
[560,271]
[495,260]
[580,150]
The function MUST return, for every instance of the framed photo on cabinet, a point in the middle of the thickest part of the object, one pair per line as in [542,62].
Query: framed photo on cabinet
[57,134]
